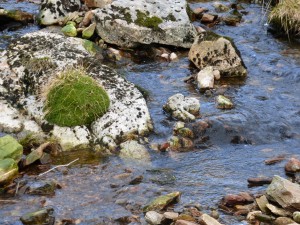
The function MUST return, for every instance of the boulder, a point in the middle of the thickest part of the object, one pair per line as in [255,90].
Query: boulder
[285,193]
[129,23]
[10,148]
[162,202]
[205,78]
[43,216]
[210,49]
[53,11]
[31,62]
[8,170]
[182,108]
[133,150]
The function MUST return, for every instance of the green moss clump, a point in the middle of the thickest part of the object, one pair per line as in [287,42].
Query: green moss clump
[75,99]
[144,20]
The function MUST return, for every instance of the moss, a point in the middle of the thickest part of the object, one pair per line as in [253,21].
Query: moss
[91,47]
[190,13]
[75,99]
[143,91]
[144,20]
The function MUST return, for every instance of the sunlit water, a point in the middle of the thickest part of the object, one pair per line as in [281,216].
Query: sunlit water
[266,113]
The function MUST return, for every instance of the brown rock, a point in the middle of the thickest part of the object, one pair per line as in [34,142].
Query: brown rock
[208,18]
[87,19]
[97,3]
[283,221]
[171,215]
[259,181]
[274,160]
[163,147]
[292,166]
[199,11]
[232,200]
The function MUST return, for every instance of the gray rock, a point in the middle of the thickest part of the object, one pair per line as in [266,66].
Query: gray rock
[128,113]
[205,78]
[210,49]
[154,218]
[42,188]
[182,108]
[285,193]
[133,150]
[129,23]
[53,11]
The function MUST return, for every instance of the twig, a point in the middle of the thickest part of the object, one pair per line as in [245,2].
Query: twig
[17,188]
[58,167]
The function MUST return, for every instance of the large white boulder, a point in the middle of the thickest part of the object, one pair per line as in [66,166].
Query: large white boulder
[24,79]
[128,23]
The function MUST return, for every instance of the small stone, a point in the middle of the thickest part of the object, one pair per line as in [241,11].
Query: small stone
[162,202]
[154,218]
[274,160]
[89,31]
[136,180]
[171,215]
[97,3]
[215,214]
[165,56]
[292,166]
[69,30]
[251,217]
[223,102]
[185,132]
[283,221]
[178,125]
[208,18]
[217,74]
[200,30]
[133,150]
[44,216]
[173,56]
[163,147]
[265,218]
[262,203]
[296,216]
[208,220]
[278,211]
[199,11]
[184,222]
[219,7]
[205,78]
[42,188]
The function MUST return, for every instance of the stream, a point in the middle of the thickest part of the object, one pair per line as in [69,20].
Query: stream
[96,190]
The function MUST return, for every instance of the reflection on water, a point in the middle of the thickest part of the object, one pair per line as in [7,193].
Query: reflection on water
[267,114]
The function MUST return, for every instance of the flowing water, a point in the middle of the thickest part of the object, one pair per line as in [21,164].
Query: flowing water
[267,114]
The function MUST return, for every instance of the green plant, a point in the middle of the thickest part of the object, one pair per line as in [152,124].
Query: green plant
[286,15]
[75,99]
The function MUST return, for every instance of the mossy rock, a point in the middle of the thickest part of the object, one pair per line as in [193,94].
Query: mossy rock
[144,20]
[75,99]
[10,148]
[162,202]
[8,170]
[69,30]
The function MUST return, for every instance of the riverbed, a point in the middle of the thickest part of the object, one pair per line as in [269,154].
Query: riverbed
[96,190]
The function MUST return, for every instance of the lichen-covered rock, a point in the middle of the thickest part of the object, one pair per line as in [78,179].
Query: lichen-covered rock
[285,193]
[210,49]
[53,11]
[8,170]
[40,217]
[162,202]
[31,62]
[10,148]
[133,150]
[182,108]
[129,23]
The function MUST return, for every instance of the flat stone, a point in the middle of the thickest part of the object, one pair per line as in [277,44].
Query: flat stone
[285,193]
[283,221]
[262,203]
[43,216]
[278,211]
[208,220]
[184,222]
[130,23]
[162,202]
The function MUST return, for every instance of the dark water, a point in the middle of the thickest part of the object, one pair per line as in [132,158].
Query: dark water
[266,113]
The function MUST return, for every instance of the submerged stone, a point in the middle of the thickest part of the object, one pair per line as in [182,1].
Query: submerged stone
[133,150]
[162,202]
[224,103]
[40,217]
[10,148]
